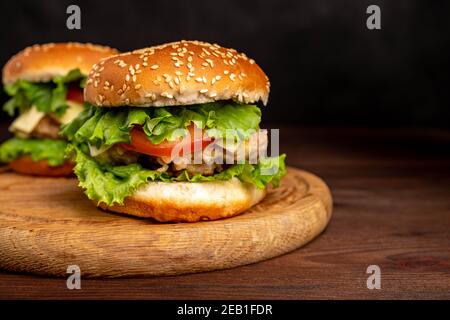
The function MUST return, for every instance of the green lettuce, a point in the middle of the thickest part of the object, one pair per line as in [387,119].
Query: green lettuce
[48,97]
[39,149]
[103,127]
[112,184]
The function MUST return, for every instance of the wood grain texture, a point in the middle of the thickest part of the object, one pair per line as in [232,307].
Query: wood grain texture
[391,207]
[47,224]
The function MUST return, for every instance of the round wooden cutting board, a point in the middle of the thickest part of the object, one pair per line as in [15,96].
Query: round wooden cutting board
[47,224]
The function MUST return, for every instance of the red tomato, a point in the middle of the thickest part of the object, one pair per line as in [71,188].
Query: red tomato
[191,143]
[26,165]
[75,94]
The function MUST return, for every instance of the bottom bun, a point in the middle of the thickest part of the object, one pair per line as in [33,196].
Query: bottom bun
[26,165]
[189,201]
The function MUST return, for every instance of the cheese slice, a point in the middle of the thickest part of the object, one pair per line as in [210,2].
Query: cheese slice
[71,112]
[27,121]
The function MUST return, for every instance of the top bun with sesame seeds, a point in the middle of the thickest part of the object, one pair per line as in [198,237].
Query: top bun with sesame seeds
[178,73]
[41,63]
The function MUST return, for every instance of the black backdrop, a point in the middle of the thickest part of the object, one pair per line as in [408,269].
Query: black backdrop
[325,66]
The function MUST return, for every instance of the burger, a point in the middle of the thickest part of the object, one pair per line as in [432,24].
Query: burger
[45,83]
[172,133]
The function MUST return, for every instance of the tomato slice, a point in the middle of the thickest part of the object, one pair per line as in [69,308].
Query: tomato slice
[26,165]
[75,94]
[193,142]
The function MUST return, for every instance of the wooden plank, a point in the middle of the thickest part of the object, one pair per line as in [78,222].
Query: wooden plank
[57,226]
[391,208]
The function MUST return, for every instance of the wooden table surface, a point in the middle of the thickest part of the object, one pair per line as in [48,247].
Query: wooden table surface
[391,191]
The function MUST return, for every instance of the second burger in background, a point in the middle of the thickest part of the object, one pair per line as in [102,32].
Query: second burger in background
[45,83]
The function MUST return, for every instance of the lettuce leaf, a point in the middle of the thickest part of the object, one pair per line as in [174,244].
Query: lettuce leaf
[39,149]
[112,184]
[48,97]
[103,127]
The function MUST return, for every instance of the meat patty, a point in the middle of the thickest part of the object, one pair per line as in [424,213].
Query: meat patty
[46,128]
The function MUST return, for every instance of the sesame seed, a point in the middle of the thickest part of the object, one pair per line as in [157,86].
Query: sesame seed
[167,78]
[154,67]
[167,95]
[203,90]
[137,87]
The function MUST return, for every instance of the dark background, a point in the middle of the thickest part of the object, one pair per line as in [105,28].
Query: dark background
[325,66]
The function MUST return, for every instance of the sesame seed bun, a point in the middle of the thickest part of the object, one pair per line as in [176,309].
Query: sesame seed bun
[190,201]
[40,63]
[178,73]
